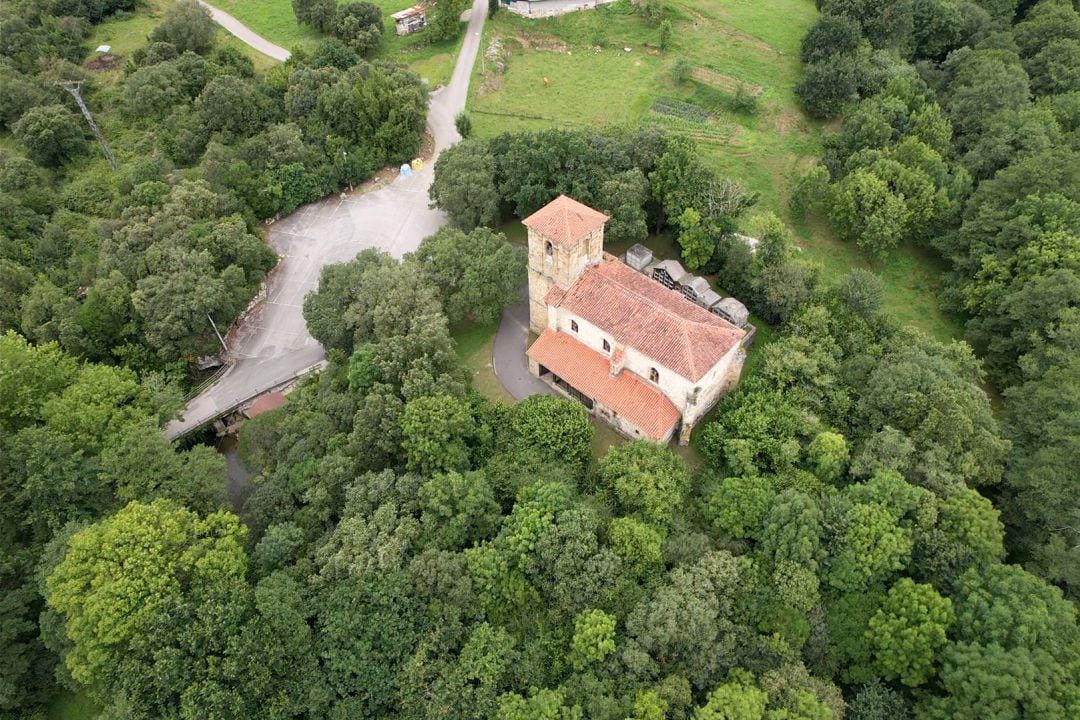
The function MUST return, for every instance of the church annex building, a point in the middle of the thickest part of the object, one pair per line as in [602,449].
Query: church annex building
[636,353]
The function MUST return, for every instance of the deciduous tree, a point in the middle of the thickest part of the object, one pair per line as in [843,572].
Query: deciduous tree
[135,588]
[909,630]
[478,273]
[464,184]
[459,510]
[738,505]
[359,25]
[558,429]
[187,26]
[319,14]
[644,478]
[435,430]
[52,134]
[638,544]
[594,638]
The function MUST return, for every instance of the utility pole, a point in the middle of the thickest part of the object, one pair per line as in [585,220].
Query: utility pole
[75,88]
[220,339]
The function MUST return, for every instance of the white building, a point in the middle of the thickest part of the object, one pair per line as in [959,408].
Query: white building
[636,353]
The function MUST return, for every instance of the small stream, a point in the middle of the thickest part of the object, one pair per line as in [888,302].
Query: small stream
[238,485]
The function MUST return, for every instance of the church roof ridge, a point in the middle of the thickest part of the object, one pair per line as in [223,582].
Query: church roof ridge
[654,320]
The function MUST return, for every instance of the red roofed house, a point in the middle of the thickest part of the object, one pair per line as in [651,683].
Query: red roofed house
[638,354]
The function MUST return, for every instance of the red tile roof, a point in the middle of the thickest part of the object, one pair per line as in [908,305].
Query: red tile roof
[565,221]
[589,371]
[643,314]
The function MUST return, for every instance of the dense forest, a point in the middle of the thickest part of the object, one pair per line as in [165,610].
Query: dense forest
[961,131]
[126,266]
[868,536]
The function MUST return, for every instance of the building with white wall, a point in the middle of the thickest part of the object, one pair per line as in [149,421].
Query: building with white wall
[638,354]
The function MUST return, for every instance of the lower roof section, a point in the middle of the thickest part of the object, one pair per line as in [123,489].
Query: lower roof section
[589,372]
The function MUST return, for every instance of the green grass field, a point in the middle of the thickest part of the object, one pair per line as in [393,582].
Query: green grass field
[128,32]
[574,71]
[474,347]
[275,21]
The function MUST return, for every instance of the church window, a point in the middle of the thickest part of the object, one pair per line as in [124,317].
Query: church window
[573,325]
[548,248]
[654,374]
[607,346]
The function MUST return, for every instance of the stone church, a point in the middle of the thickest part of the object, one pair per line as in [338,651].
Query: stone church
[636,353]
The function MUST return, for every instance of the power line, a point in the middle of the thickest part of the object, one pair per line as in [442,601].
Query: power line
[75,88]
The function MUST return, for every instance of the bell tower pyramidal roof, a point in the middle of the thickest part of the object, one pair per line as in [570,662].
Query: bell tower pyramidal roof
[565,221]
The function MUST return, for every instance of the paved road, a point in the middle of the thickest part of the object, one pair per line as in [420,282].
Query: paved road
[245,33]
[549,8]
[508,357]
[272,345]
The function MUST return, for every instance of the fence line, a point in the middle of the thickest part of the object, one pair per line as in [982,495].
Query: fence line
[198,389]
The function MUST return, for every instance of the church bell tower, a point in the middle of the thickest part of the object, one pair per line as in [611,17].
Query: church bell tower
[565,237]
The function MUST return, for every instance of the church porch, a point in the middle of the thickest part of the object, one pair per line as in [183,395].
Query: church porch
[630,405]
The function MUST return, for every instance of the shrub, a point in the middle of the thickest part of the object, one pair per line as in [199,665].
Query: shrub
[463,123]
[681,70]
[744,100]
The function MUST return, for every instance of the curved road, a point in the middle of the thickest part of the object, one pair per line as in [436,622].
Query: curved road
[242,31]
[271,345]
[508,357]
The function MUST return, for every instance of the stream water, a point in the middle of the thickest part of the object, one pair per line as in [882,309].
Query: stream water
[238,485]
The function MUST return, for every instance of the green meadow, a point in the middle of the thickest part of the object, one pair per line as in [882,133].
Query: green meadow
[604,67]
[274,20]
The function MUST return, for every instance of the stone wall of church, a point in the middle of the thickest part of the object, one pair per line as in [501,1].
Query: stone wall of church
[539,285]
[553,264]
[716,383]
[680,390]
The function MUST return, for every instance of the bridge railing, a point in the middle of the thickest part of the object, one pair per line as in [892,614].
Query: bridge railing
[241,400]
[201,387]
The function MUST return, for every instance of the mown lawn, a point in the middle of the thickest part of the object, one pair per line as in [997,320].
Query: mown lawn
[273,19]
[575,71]
[474,347]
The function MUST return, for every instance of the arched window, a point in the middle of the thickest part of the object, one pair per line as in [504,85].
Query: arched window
[573,325]
[654,374]
[607,346]
[548,248]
